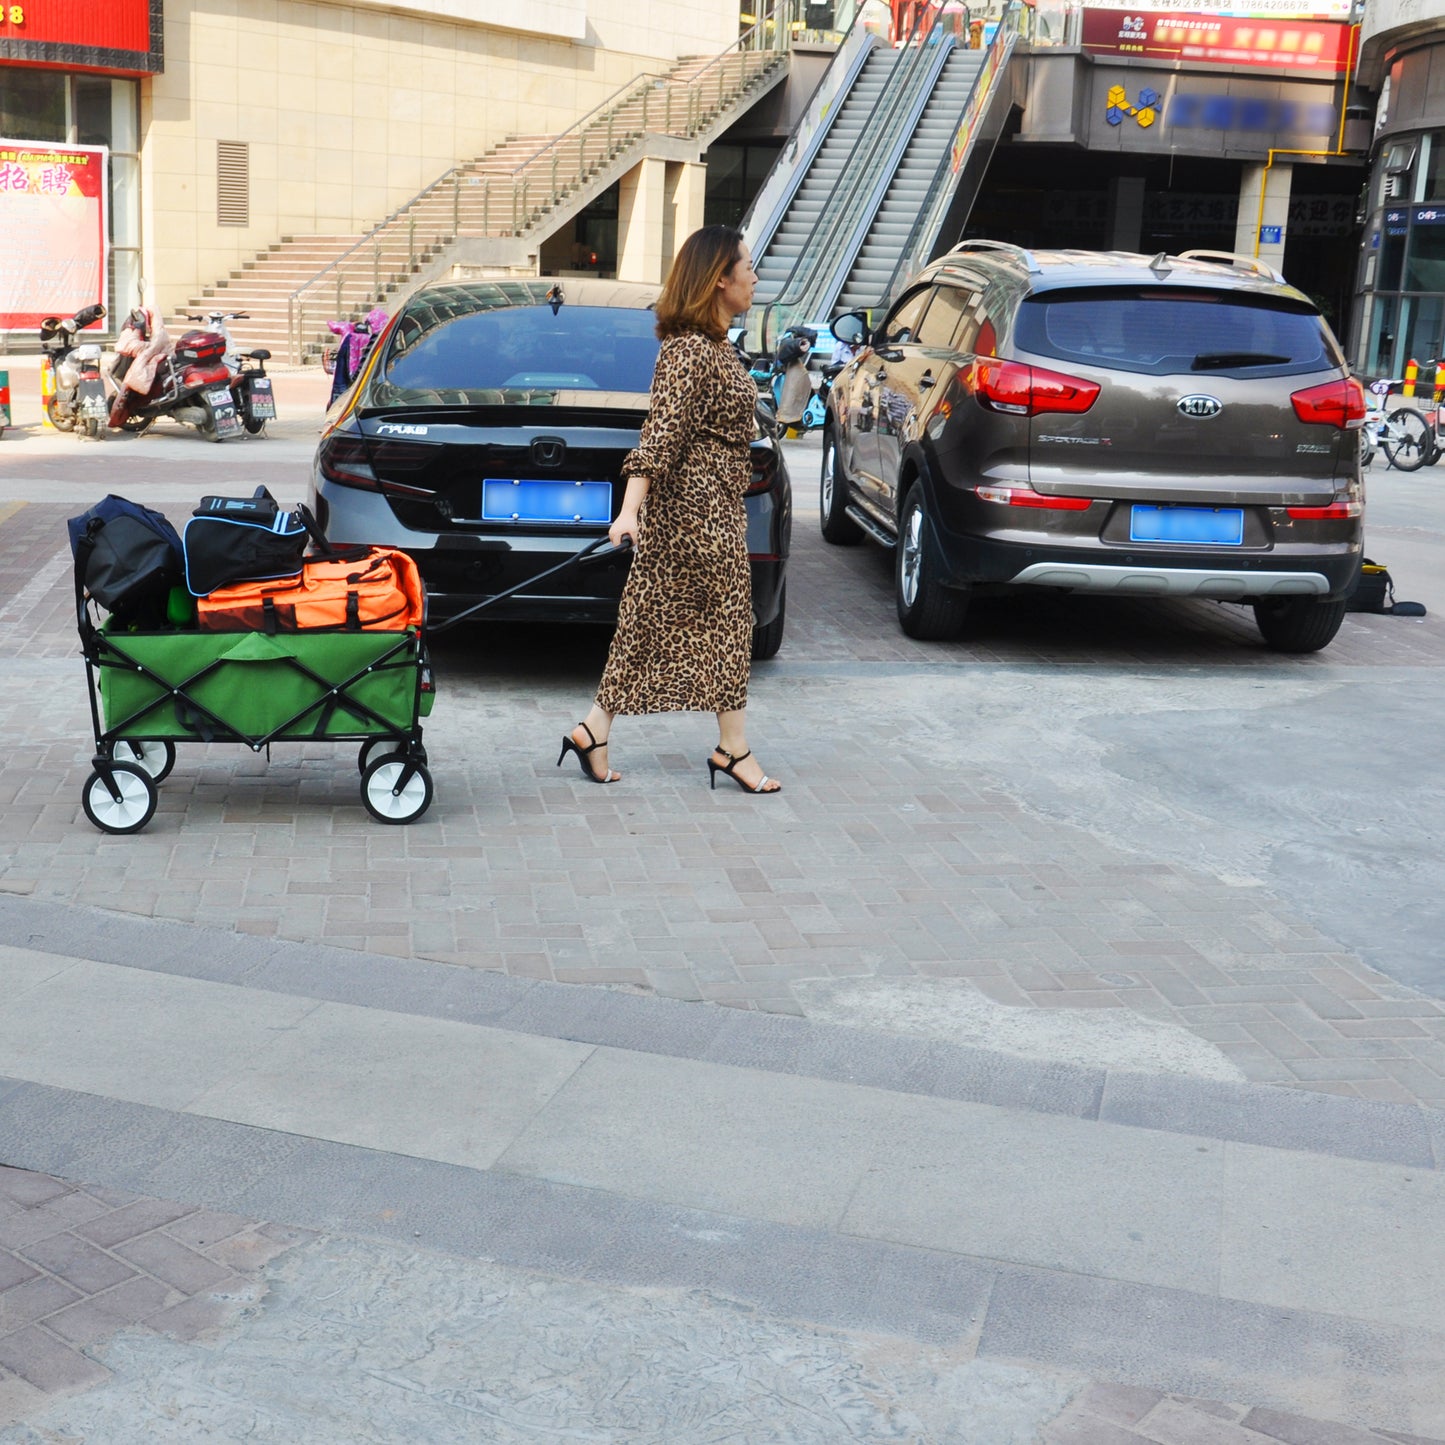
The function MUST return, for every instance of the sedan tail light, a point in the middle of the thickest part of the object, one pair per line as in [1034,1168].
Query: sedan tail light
[347,459]
[765,466]
[1020,390]
[1333,403]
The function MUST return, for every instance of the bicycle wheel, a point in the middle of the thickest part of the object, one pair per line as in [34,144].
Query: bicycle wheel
[1408,441]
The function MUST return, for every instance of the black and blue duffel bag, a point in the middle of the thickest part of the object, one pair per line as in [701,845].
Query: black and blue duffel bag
[242,539]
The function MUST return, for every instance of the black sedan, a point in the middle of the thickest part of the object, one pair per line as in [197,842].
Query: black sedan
[485,436]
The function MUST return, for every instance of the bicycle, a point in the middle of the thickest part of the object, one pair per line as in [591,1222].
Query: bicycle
[1404,435]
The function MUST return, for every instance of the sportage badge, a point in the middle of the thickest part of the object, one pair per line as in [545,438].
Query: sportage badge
[1199,405]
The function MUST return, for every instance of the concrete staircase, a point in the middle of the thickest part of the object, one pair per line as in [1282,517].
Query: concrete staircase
[497,207]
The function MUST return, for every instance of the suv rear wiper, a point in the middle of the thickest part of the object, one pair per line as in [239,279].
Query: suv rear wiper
[1218,360]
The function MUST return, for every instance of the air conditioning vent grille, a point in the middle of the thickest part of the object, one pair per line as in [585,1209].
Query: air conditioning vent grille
[233,183]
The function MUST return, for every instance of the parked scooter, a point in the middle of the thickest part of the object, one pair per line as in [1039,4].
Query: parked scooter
[188,381]
[255,399]
[800,407]
[72,385]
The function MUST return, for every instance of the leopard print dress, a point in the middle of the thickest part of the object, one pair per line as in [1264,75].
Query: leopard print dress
[685,621]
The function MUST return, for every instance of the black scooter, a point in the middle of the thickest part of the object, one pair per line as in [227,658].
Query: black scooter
[71,382]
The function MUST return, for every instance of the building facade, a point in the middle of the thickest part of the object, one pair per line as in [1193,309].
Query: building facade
[227,124]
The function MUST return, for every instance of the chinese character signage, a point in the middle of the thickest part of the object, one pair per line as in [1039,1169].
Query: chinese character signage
[52,231]
[116,37]
[1297,46]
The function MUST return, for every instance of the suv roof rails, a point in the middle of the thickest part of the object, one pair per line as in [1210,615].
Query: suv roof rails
[1026,256]
[1238,261]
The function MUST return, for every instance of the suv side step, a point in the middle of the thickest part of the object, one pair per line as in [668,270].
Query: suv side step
[873,529]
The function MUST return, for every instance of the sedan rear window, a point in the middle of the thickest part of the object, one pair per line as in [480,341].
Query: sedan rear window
[517,349]
[1167,332]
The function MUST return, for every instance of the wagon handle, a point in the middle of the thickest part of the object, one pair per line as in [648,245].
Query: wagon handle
[591,552]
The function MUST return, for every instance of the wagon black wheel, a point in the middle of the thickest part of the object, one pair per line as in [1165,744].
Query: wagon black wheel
[391,798]
[154,757]
[129,808]
[374,748]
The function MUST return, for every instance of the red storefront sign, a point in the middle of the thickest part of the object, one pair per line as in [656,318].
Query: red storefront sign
[120,36]
[1297,46]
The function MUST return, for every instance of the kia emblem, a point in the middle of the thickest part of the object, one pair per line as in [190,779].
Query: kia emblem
[1199,406]
[548,451]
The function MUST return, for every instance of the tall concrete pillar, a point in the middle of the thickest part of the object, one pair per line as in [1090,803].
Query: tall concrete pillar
[1126,213]
[686,194]
[1257,234]
[643,213]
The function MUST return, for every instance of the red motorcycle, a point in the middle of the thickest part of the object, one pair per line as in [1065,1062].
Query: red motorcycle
[188,381]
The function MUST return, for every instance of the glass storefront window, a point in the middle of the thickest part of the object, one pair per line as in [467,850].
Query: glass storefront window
[1392,250]
[33,105]
[1380,350]
[1425,256]
[1424,340]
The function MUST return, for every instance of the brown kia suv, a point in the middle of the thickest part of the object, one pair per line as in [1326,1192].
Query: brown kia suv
[1175,426]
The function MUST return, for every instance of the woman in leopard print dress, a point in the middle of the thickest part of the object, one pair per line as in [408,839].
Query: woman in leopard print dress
[684,625]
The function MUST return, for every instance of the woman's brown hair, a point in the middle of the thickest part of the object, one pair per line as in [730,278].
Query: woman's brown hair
[689,295]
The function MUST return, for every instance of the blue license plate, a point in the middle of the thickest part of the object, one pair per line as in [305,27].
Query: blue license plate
[1191,526]
[512,500]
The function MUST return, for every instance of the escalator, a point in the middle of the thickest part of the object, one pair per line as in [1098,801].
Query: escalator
[906,198]
[878,177]
[818,183]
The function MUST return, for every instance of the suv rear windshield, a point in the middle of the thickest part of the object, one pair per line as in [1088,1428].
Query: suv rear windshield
[1162,332]
[518,348]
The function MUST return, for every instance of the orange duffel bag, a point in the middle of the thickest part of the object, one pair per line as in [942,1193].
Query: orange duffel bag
[376,590]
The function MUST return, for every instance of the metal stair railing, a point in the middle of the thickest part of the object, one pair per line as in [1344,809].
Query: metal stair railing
[618,123]
[839,215]
[923,233]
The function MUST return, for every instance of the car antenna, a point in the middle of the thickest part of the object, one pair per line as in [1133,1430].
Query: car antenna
[555,297]
[1160,264]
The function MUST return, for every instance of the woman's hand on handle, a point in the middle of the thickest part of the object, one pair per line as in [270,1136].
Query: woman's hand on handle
[624,530]
[627,527]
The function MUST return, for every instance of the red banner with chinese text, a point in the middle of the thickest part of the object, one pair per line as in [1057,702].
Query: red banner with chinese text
[52,231]
[1296,46]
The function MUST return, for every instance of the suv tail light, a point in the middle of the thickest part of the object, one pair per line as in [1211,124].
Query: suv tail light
[1333,403]
[1021,390]
[1027,497]
[1336,512]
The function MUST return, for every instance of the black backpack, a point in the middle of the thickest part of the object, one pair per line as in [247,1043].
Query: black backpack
[127,558]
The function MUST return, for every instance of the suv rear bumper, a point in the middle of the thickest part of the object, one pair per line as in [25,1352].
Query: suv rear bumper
[1222,584]
[1294,570]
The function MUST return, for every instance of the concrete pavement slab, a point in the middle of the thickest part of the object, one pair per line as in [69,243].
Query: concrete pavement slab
[409,1085]
[1038,1189]
[1349,1239]
[130,1034]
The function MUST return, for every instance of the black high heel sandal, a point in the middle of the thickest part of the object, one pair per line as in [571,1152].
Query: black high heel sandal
[713,769]
[571,745]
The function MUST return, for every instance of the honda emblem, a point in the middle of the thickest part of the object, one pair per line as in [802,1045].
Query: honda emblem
[548,451]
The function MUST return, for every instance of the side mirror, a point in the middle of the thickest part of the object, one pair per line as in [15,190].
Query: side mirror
[851,330]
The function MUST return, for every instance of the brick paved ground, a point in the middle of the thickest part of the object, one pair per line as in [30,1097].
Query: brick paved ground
[76,1265]
[906,862]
